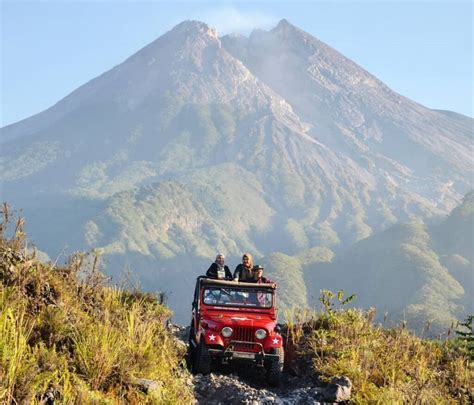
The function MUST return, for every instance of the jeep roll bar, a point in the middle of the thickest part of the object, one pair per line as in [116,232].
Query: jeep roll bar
[230,283]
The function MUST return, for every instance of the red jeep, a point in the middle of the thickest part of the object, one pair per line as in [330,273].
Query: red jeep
[235,322]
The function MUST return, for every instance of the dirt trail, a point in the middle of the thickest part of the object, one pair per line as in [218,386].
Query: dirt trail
[246,385]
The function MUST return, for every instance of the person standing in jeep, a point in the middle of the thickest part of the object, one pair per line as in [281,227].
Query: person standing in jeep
[259,279]
[258,276]
[218,269]
[244,271]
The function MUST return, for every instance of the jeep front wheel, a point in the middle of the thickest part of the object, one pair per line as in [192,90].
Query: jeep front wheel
[275,368]
[202,360]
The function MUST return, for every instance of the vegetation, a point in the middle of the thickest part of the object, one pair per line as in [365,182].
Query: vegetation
[384,365]
[465,336]
[30,161]
[65,334]
[286,272]
[100,180]
[411,271]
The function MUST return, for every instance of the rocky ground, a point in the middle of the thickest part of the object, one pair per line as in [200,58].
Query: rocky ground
[247,385]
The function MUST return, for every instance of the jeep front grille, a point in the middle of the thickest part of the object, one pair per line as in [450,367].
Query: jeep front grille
[244,334]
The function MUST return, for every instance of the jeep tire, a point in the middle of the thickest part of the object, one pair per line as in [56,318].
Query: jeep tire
[275,368]
[202,360]
[191,349]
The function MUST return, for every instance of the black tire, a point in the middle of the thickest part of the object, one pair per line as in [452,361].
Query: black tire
[191,349]
[275,368]
[202,360]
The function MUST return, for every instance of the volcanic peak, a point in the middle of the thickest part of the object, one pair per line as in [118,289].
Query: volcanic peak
[192,27]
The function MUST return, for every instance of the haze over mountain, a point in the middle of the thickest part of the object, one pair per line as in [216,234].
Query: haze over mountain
[198,144]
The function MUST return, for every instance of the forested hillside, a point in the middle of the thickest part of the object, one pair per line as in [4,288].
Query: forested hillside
[420,273]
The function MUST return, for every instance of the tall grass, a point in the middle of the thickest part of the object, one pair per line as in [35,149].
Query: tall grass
[14,350]
[385,365]
[66,335]
[97,352]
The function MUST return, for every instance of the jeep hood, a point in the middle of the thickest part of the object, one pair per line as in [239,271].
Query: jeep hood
[252,320]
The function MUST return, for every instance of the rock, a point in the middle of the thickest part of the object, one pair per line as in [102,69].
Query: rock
[250,388]
[49,397]
[338,390]
[145,385]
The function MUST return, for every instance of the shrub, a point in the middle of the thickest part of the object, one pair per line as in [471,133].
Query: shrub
[66,334]
[385,365]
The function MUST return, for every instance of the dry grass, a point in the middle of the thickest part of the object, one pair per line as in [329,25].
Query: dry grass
[65,333]
[385,365]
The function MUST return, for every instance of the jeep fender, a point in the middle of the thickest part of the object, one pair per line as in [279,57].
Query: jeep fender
[272,342]
[211,337]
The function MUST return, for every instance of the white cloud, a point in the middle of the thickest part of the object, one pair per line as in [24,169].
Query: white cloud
[228,20]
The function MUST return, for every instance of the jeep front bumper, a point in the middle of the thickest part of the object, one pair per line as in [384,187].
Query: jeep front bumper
[230,354]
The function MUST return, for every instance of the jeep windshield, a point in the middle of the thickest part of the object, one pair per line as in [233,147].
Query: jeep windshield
[238,297]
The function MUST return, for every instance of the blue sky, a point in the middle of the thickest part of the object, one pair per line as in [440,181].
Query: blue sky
[422,49]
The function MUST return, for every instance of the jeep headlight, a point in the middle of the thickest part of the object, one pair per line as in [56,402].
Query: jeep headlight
[261,334]
[226,331]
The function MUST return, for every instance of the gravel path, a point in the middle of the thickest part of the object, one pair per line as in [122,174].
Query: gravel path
[246,385]
[249,387]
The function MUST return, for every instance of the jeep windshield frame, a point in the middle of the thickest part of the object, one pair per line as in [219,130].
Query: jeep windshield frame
[238,297]
[233,294]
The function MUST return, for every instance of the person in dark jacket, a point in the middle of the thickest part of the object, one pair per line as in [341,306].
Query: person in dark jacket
[244,271]
[218,269]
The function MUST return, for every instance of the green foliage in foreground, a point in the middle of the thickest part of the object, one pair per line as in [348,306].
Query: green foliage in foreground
[465,337]
[384,365]
[65,334]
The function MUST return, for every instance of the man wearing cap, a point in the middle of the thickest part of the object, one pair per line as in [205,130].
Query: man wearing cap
[258,276]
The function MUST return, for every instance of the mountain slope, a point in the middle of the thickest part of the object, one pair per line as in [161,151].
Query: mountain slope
[353,112]
[198,143]
[411,271]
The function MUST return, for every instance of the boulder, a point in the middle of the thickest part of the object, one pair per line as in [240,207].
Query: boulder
[338,390]
[147,386]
